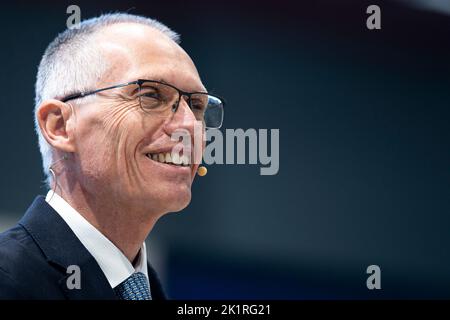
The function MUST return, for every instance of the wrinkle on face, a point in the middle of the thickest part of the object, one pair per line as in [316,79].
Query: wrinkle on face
[114,118]
[116,125]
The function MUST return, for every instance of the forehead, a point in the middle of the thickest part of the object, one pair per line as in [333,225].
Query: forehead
[136,51]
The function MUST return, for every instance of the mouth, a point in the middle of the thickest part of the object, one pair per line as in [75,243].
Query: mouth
[170,159]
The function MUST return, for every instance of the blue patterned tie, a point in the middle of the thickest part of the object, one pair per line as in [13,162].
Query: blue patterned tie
[135,287]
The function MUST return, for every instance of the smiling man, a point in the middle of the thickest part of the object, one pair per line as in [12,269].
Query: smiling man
[110,97]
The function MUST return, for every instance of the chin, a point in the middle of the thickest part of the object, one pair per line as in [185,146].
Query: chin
[172,199]
[179,201]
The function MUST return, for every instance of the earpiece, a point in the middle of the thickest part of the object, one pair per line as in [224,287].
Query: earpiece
[52,172]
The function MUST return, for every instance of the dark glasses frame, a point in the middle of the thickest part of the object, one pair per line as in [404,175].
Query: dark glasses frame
[139,82]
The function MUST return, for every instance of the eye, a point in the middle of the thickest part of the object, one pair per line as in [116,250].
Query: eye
[197,105]
[151,98]
[150,93]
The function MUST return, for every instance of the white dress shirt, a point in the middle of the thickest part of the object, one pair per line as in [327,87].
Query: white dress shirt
[111,260]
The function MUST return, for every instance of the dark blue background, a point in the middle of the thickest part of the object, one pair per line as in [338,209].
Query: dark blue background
[364,145]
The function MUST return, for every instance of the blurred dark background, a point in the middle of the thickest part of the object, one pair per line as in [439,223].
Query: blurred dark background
[364,145]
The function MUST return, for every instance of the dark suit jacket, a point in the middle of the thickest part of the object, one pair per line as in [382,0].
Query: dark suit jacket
[35,254]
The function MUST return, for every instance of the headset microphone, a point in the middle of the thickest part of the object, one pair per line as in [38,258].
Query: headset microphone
[202,171]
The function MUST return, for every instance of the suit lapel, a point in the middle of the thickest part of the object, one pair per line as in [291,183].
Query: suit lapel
[94,285]
[62,249]
[156,288]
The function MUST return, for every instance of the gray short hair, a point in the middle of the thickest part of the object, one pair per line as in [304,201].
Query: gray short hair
[72,63]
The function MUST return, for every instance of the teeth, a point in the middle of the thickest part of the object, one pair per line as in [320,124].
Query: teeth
[184,160]
[169,158]
[176,158]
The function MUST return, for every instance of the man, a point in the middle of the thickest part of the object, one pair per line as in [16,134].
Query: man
[111,95]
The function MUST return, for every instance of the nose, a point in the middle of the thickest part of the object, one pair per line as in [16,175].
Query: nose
[181,118]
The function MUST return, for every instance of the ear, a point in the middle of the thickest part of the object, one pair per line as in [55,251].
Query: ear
[56,121]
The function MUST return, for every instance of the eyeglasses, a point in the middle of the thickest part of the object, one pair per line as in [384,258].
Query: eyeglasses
[161,99]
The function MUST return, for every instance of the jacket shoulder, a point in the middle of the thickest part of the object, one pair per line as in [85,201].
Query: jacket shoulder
[22,264]
[11,261]
[13,242]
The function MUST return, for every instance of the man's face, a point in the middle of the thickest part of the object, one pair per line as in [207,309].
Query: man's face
[114,136]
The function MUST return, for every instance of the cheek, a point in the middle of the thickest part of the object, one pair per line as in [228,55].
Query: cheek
[122,131]
[119,122]
[95,158]
[105,140]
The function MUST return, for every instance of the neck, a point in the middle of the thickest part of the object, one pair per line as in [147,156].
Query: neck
[124,225]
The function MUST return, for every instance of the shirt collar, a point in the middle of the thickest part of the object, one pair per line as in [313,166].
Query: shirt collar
[111,260]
